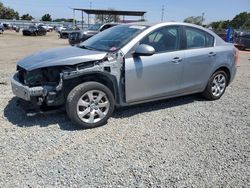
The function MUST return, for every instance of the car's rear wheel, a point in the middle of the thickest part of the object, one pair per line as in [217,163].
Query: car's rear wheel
[242,48]
[216,86]
[90,104]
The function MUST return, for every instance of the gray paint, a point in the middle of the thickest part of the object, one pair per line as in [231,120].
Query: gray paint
[60,57]
[145,50]
[148,78]
[157,77]
[152,76]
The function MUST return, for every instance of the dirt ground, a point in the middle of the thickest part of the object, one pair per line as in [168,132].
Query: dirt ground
[14,46]
[182,142]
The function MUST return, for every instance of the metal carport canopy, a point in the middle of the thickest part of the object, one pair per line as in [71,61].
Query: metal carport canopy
[112,12]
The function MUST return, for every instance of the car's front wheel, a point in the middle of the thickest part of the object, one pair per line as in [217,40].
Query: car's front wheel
[90,104]
[216,86]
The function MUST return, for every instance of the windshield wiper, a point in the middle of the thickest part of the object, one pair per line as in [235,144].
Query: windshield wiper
[87,47]
[90,48]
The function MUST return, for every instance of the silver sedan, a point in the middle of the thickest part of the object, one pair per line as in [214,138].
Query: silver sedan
[127,65]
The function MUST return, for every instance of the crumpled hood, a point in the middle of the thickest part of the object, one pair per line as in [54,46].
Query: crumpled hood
[60,57]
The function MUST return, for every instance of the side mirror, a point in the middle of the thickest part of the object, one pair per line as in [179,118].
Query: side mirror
[144,50]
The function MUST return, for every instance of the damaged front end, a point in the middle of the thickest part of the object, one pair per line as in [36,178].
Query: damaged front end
[39,89]
[44,89]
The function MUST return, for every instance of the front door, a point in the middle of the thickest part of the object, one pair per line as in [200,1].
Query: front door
[159,75]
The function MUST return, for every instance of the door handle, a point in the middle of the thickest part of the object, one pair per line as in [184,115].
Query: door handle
[211,54]
[176,60]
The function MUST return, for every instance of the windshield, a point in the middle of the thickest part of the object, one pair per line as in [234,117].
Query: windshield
[94,27]
[113,39]
[32,27]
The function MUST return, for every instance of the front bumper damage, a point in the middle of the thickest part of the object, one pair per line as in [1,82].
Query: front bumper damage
[39,99]
[25,92]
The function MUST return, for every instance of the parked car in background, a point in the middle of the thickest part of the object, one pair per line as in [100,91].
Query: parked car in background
[77,37]
[242,39]
[47,27]
[50,28]
[1,28]
[7,26]
[16,28]
[60,28]
[34,31]
[64,34]
[126,65]
[222,34]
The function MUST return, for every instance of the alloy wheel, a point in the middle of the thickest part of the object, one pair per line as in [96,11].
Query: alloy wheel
[93,106]
[218,85]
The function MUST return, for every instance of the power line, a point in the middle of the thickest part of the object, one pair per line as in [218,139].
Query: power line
[90,5]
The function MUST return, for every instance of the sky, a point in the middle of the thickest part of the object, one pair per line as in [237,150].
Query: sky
[174,10]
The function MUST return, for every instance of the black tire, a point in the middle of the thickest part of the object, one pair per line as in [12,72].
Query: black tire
[207,93]
[59,35]
[77,92]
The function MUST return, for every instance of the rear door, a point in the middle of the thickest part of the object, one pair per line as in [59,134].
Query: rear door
[200,55]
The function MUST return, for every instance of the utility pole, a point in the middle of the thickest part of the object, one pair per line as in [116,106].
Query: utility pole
[90,6]
[162,13]
[203,14]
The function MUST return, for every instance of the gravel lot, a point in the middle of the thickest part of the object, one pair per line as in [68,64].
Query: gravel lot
[182,142]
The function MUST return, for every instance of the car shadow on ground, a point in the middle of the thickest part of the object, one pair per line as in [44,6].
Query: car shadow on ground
[15,115]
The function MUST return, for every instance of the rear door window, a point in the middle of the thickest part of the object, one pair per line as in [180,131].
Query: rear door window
[195,38]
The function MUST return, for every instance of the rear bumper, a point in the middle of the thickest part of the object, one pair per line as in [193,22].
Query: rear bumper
[64,35]
[233,73]
[25,92]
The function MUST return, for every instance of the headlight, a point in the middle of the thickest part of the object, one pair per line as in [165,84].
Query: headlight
[111,56]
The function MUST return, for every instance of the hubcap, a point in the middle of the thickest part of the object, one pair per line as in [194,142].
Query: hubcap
[219,85]
[93,106]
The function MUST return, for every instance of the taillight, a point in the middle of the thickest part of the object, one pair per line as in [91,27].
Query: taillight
[239,41]
[236,57]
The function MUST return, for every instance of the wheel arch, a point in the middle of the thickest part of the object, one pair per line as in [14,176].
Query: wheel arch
[108,80]
[226,70]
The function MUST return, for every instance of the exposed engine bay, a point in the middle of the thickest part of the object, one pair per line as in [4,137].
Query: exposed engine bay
[50,85]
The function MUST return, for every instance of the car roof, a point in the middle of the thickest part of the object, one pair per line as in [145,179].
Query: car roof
[152,24]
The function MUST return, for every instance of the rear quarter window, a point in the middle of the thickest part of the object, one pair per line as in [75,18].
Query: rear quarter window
[209,40]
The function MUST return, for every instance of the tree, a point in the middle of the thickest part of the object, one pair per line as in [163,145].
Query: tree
[239,20]
[246,25]
[26,17]
[107,18]
[194,20]
[63,20]
[46,17]
[224,24]
[8,13]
